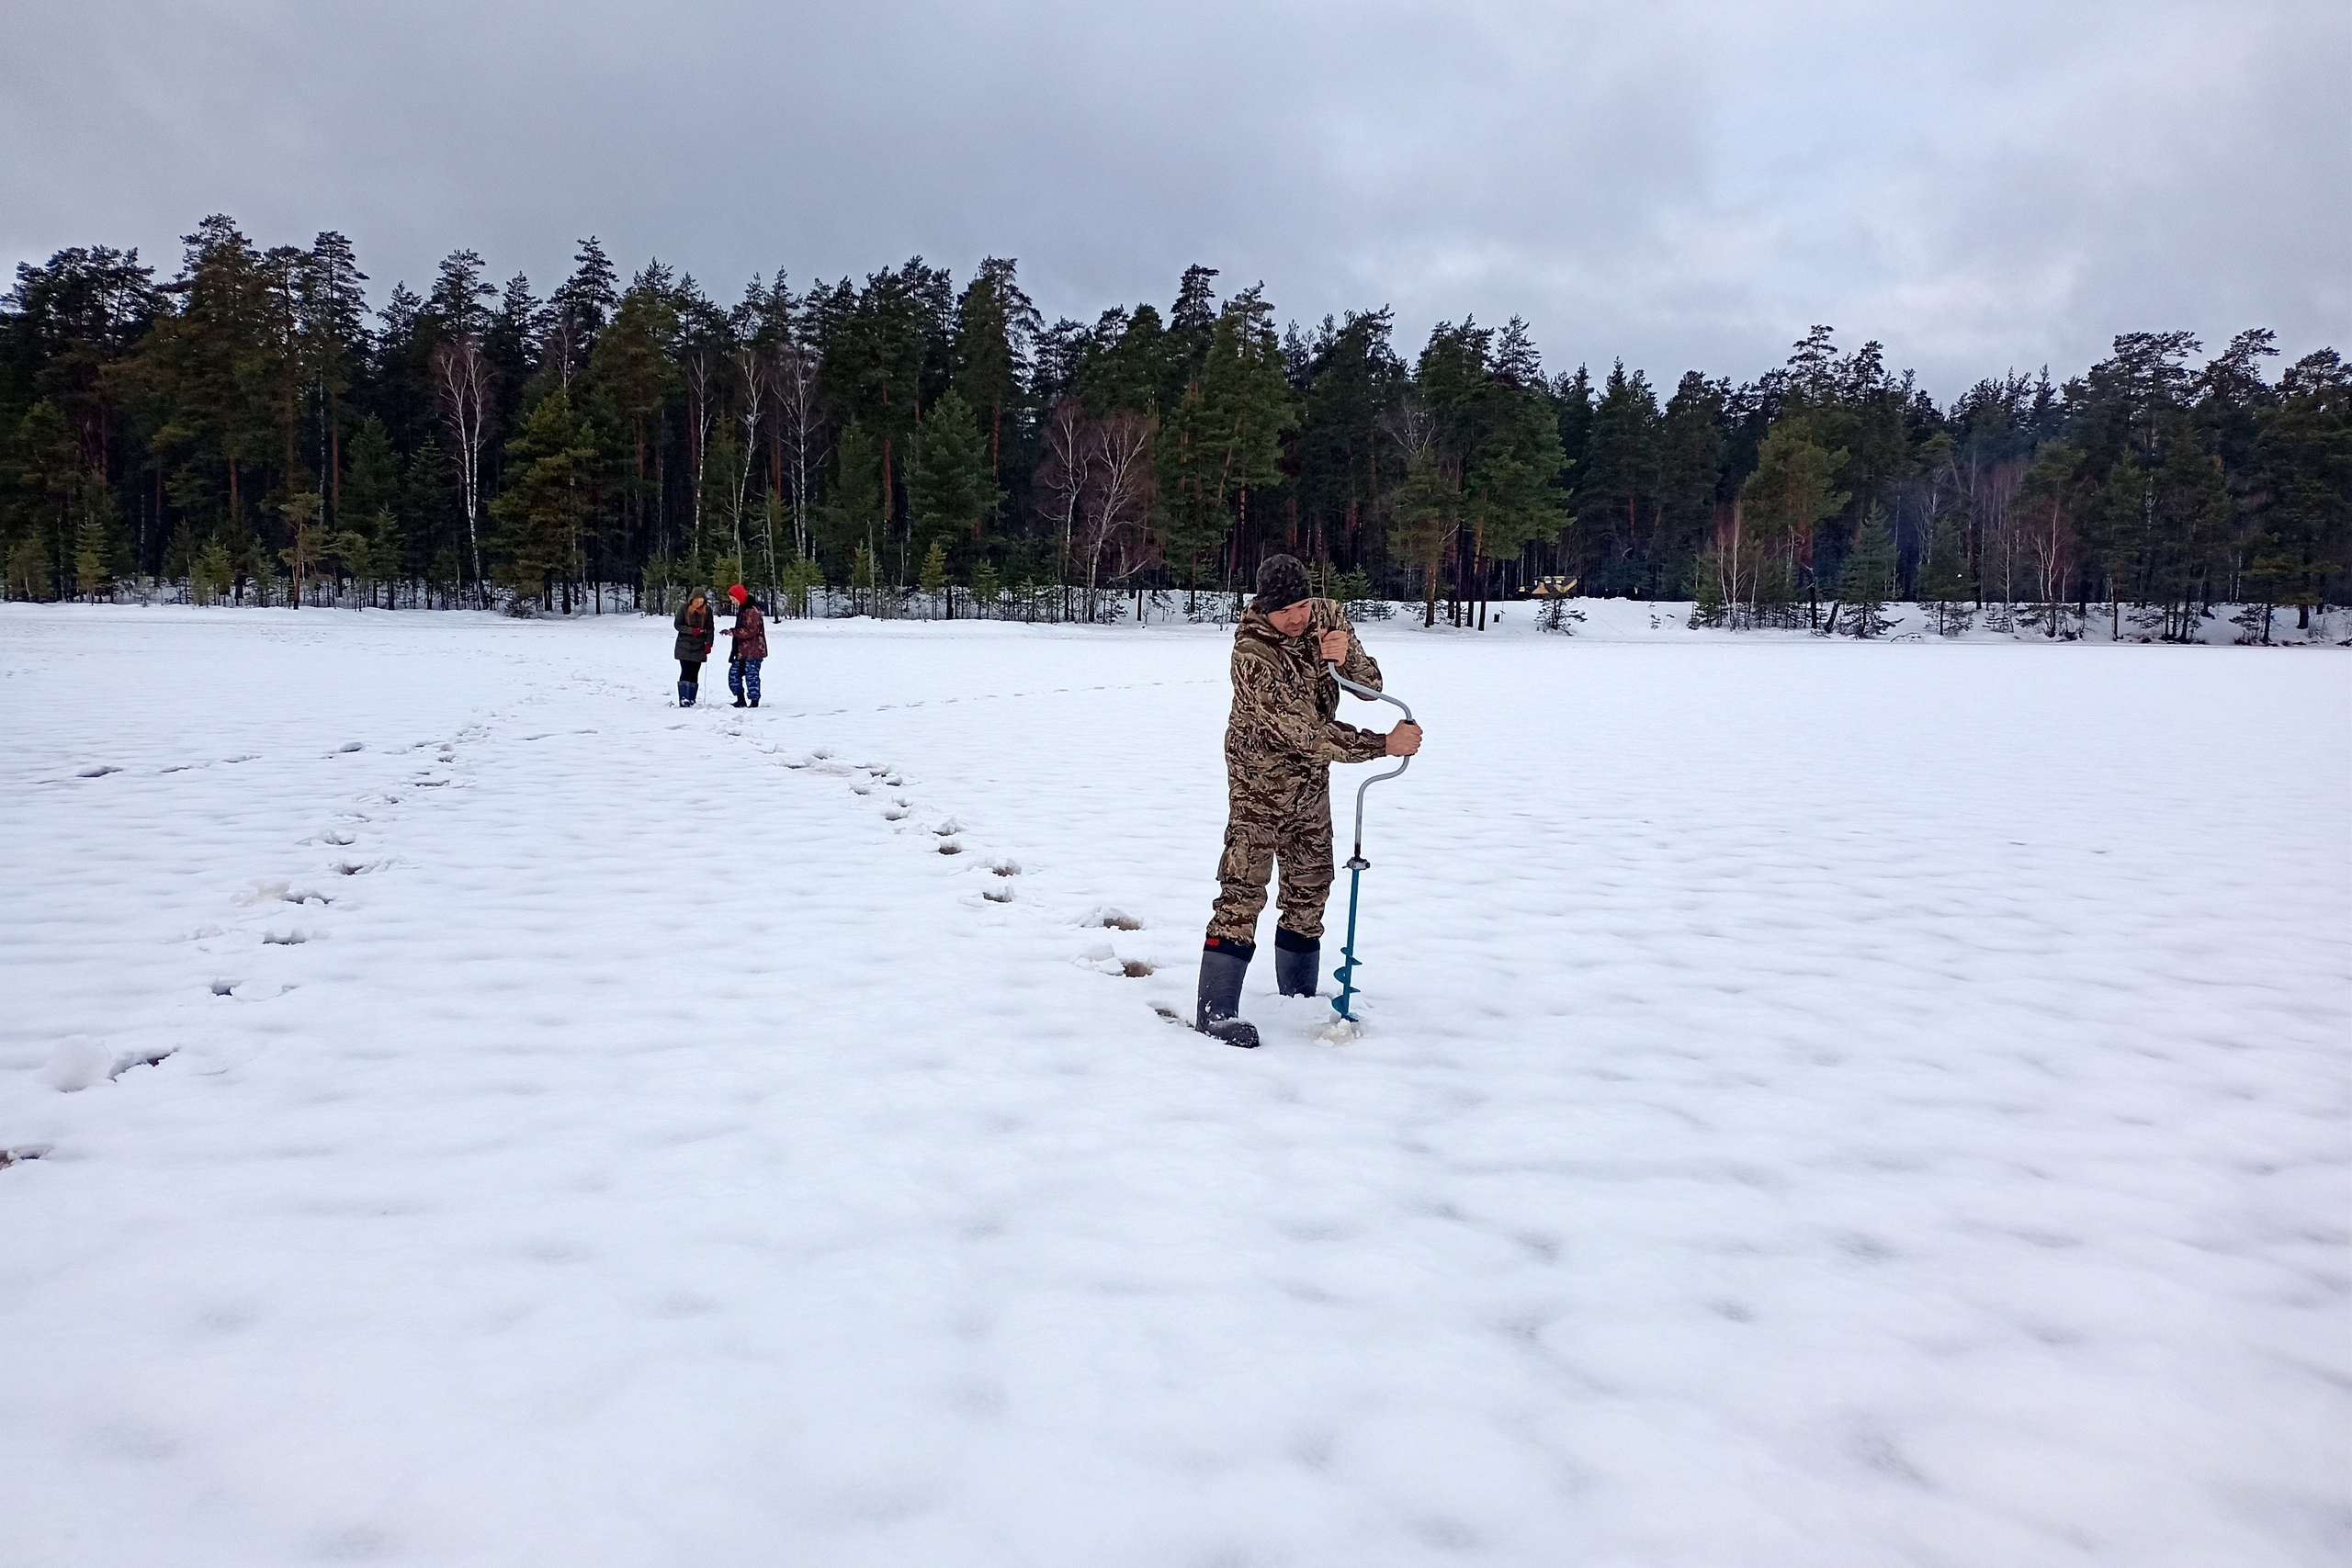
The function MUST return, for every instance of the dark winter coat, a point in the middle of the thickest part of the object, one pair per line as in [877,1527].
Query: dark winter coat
[697,629]
[750,632]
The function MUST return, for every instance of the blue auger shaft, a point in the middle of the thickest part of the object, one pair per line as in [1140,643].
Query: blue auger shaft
[1357,864]
[1345,973]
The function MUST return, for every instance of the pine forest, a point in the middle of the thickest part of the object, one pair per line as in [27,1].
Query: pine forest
[253,430]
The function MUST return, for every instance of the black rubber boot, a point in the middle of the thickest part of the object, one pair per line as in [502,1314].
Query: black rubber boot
[685,693]
[1296,960]
[1222,964]
[739,703]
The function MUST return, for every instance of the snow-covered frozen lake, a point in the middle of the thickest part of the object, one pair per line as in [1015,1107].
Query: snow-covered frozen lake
[1821,1104]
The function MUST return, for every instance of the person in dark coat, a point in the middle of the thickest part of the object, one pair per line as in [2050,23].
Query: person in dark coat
[697,629]
[750,633]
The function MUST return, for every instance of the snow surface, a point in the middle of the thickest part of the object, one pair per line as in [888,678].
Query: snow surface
[1821,1104]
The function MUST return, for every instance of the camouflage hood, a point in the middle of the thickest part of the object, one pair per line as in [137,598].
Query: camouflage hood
[1285,702]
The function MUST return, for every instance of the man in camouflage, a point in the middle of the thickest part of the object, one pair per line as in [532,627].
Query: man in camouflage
[1280,742]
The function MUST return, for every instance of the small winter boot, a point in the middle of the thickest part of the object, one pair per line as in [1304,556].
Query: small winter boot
[1296,960]
[686,690]
[1222,964]
[741,703]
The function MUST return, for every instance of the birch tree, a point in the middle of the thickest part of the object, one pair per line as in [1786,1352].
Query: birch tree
[462,384]
[1121,486]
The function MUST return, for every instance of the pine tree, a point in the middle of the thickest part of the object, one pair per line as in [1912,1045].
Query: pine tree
[332,326]
[862,579]
[545,500]
[1690,470]
[932,584]
[1427,512]
[1868,576]
[1792,491]
[28,576]
[1513,493]
[300,511]
[1617,483]
[995,324]
[95,544]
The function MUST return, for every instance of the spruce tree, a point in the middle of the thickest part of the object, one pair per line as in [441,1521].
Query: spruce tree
[985,585]
[1868,576]
[852,517]
[949,488]
[212,575]
[1945,584]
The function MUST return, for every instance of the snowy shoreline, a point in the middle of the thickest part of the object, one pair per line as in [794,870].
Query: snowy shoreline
[1591,620]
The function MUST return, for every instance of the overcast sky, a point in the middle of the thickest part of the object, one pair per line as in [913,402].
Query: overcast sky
[1688,184]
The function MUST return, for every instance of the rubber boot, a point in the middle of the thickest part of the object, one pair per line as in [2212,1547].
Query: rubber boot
[686,690]
[1296,959]
[1222,964]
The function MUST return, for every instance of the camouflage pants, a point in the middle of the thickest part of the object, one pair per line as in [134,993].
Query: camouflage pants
[1274,815]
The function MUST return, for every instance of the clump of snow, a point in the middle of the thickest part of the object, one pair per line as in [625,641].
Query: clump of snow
[79,1061]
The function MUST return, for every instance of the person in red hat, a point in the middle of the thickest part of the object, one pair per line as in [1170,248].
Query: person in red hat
[751,635]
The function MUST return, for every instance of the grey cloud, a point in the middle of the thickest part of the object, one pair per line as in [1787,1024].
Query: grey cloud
[1688,184]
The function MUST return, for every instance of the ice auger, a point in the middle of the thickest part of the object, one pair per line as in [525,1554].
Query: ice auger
[1357,864]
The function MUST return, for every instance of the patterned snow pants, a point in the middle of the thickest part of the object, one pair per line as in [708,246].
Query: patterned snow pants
[743,678]
[1274,817]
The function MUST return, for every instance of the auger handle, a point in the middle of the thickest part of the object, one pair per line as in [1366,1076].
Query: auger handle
[1355,855]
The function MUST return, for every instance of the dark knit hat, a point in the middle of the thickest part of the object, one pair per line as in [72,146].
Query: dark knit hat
[1281,582]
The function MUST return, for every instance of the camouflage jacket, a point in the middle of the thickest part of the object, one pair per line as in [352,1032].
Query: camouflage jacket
[1283,700]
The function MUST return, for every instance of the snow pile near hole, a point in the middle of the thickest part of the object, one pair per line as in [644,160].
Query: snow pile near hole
[78,1062]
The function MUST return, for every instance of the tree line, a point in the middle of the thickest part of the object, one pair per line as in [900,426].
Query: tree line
[253,428]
